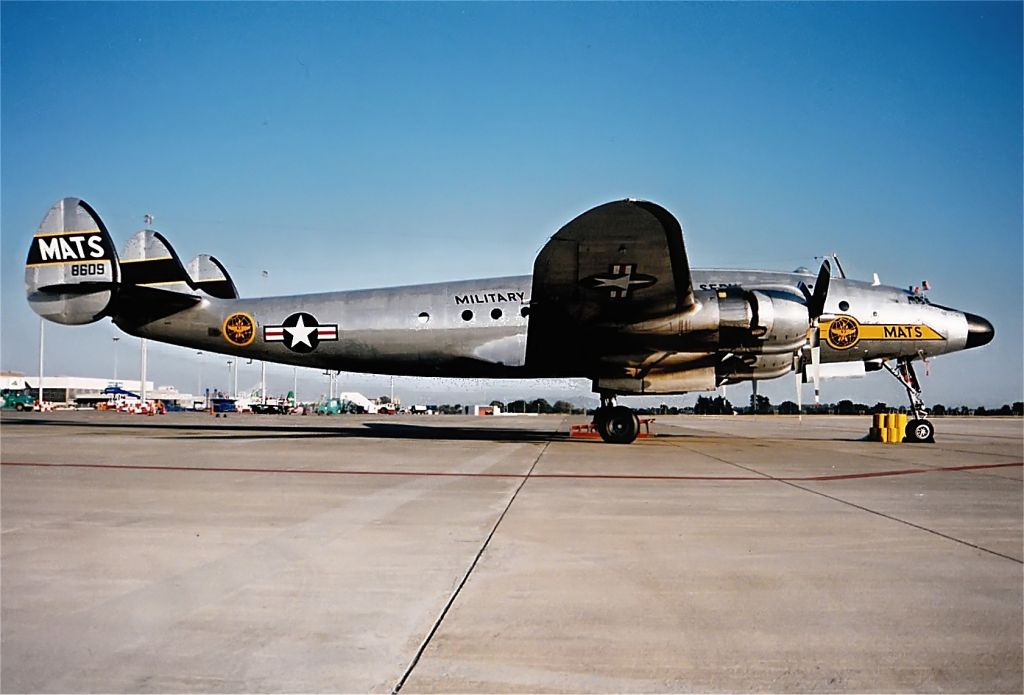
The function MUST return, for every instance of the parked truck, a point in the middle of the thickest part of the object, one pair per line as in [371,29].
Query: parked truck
[18,399]
[338,406]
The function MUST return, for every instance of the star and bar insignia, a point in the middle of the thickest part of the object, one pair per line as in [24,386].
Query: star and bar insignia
[621,279]
[300,332]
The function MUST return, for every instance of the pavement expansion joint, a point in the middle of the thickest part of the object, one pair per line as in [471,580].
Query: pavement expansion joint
[789,482]
[932,531]
[469,571]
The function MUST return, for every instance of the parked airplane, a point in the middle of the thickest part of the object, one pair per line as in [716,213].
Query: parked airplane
[612,298]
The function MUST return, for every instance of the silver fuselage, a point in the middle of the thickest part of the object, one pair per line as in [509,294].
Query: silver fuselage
[479,328]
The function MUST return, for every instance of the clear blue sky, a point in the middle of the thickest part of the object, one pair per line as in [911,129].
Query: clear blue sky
[341,145]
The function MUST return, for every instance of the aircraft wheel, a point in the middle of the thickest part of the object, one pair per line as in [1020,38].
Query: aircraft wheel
[619,426]
[920,431]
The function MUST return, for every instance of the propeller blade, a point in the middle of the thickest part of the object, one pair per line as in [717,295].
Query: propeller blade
[816,373]
[799,390]
[816,304]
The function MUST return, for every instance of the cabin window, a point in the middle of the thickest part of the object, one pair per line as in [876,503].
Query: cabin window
[524,312]
[844,305]
[423,317]
[495,314]
[467,315]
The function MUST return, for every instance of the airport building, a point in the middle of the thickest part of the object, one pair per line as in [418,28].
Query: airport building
[80,390]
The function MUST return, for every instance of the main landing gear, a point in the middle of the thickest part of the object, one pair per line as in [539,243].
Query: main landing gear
[919,427]
[616,424]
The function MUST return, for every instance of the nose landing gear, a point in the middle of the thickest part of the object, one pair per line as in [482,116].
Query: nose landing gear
[616,424]
[919,427]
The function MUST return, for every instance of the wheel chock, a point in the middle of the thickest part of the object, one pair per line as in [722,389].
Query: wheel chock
[588,431]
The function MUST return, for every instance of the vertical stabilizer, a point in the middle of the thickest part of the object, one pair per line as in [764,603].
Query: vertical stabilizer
[210,276]
[148,260]
[72,270]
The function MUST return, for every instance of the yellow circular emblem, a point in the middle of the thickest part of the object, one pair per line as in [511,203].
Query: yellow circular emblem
[239,329]
[843,332]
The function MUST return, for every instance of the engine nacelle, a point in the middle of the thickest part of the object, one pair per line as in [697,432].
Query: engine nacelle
[781,320]
[684,381]
[740,321]
[744,367]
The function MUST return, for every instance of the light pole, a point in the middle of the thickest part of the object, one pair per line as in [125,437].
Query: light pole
[41,337]
[229,371]
[263,364]
[142,386]
[115,339]
[199,380]
[148,218]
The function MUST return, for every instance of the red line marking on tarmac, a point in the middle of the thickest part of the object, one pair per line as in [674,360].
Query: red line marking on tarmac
[584,476]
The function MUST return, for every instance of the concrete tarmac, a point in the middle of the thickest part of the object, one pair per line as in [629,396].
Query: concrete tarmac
[457,554]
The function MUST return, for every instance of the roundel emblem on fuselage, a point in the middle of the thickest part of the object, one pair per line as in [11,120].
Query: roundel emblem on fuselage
[239,329]
[843,333]
[301,332]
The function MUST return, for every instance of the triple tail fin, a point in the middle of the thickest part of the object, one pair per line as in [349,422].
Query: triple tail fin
[73,274]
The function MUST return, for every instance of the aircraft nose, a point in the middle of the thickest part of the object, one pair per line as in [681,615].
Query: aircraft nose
[979,330]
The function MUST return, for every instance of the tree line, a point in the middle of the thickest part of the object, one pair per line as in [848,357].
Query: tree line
[718,405]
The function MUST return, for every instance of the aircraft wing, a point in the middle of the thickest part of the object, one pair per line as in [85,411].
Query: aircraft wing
[617,264]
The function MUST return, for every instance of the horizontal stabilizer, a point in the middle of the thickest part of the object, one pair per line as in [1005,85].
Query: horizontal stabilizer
[210,276]
[137,305]
[81,288]
[72,267]
[148,260]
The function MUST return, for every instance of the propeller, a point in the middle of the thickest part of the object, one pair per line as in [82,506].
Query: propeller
[816,301]
[815,308]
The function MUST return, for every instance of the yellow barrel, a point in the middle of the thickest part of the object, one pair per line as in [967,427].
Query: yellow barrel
[895,433]
[884,435]
[901,425]
[873,433]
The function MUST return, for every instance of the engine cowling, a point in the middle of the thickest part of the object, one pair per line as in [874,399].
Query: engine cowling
[743,321]
[742,367]
[783,320]
[731,334]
